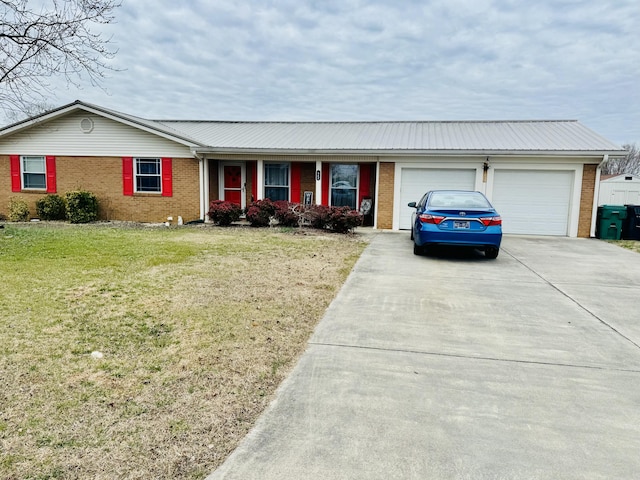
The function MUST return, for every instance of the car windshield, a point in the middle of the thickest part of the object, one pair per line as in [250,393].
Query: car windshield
[458,200]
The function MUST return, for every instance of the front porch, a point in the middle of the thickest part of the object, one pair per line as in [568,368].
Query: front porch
[330,182]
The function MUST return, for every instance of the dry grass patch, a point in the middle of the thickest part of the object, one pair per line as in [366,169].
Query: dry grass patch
[197,327]
[633,245]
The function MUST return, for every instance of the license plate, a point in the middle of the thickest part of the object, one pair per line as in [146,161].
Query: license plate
[460,224]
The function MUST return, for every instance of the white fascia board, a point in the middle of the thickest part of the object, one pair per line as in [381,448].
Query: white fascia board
[408,153]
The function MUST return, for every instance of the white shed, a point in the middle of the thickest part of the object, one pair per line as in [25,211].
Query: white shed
[620,190]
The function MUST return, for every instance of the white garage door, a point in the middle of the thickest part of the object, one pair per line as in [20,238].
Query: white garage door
[533,201]
[415,182]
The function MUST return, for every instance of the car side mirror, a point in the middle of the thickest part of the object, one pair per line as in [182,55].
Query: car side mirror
[411,204]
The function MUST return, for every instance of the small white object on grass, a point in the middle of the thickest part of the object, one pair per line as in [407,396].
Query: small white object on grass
[96,355]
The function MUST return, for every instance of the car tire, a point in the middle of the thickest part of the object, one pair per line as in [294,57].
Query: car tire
[417,249]
[412,234]
[491,252]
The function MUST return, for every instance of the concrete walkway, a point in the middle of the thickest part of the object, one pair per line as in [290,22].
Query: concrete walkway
[458,367]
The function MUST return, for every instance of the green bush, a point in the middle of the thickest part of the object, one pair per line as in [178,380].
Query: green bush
[224,213]
[51,207]
[82,206]
[18,210]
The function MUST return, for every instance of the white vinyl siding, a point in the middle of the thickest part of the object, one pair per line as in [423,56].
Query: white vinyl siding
[415,182]
[108,138]
[535,202]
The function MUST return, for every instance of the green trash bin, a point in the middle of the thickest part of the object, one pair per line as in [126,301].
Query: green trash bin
[609,224]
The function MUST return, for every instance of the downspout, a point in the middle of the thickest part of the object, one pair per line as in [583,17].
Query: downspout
[596,197]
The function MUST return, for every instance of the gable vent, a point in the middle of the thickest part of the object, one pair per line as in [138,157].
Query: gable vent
[86,125]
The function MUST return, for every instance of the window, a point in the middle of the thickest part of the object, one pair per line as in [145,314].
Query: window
[148,175]
[34,174]
[344,185]
[276,181]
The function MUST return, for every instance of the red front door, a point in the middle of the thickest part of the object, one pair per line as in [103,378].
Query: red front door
[233,184]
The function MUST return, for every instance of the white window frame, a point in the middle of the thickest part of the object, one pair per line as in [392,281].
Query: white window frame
[23,171]
[356,189]
[136,162]
[287,186]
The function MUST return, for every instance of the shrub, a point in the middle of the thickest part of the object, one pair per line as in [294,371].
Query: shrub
[318,215]
[224,213]
[51,207]
[260,212]
[18,210]
[344,219]
[285,213]
[82,206]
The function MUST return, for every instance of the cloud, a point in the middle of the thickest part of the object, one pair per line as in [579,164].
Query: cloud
[367,60]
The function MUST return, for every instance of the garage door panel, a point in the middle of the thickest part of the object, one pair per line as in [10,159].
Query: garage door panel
[415,182]
[533,201]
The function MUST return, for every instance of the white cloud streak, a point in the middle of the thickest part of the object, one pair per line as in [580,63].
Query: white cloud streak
[378,60]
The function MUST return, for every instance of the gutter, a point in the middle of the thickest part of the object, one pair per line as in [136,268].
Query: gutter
[406,153]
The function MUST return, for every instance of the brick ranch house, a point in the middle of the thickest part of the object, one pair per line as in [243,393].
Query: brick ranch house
[542,176]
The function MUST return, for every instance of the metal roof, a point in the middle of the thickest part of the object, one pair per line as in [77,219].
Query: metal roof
[447,136]
[565,137]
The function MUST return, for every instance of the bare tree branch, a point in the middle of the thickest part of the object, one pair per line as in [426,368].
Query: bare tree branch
[56,39]
[629,164]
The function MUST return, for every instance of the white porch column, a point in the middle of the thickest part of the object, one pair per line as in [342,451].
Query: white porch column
[206,182]
[260,179]
[318,182]
[203,211]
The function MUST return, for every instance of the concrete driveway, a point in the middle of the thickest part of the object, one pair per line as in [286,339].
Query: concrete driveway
[458,367]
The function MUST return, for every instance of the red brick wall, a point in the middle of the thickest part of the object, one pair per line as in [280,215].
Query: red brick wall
[586,200]
[385,195]
[103,177]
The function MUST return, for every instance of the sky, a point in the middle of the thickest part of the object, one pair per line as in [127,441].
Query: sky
[337,60]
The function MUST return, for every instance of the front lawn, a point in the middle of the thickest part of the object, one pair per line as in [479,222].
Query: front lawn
[149,352]
[633,245]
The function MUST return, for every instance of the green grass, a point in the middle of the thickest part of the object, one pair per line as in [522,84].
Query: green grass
[197,327]
[633,245]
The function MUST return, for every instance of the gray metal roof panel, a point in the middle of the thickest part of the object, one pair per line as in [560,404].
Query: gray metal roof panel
[543,135]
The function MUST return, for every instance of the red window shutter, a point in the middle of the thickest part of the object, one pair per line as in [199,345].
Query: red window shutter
[167,177]
[296,188]
[127,175]
[16,183]
[51,174]
[365,181]
[326,183]
[254,181]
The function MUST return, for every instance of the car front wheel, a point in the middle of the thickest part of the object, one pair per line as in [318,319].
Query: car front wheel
[491,252]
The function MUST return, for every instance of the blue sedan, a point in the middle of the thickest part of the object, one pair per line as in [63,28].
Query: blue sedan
[455,217]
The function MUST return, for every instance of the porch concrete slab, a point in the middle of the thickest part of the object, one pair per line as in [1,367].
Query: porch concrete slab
[458,367]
